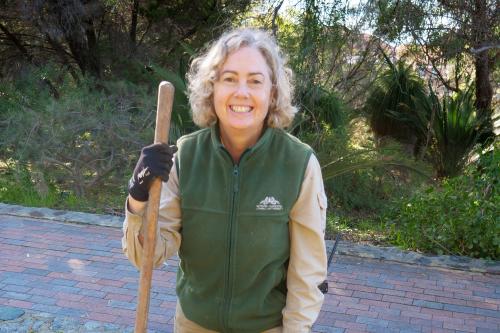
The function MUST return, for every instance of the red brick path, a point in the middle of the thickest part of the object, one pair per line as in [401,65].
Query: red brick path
[79,271]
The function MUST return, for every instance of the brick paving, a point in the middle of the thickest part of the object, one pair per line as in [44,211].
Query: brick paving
[78,271]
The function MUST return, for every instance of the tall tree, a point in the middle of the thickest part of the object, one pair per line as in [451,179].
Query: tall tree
[96,36]
[446,31]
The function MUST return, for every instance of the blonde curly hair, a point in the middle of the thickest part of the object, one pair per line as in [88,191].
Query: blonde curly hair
[204,72]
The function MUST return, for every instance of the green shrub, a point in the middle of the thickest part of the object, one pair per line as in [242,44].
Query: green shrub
[460,217]
[136,74]
[20,185]
[393,99]
[320,108]
[360,179]
[78,142]
[83,144]
[16,186]
[457,128]
[443,131]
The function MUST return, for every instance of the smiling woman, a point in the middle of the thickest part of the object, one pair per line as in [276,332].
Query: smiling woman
[244,205]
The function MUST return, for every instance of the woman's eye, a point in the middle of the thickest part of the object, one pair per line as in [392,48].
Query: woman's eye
[255,81]
[228,79]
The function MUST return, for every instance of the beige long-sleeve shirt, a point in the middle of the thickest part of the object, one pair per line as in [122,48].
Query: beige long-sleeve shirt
[307,265]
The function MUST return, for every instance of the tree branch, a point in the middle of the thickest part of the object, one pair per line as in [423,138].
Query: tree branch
[275,15]
[484,48]
[434,67]
[16,42]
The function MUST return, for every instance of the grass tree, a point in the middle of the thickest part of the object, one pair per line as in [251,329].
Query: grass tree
[393,100]
[443,131]
[457,128]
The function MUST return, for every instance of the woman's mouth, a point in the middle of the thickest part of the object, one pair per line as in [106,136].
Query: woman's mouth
[240,108]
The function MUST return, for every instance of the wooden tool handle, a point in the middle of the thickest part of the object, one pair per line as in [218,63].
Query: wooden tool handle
[163,115]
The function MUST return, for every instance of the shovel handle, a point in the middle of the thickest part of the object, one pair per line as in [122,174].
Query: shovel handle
[163,115]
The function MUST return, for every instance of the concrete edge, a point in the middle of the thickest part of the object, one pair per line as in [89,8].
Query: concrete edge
[344,247]
[391,253]
[61,215]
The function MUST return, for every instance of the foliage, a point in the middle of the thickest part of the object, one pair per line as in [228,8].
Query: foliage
[443,131]
[448,129]
[331,57]
[149,77]
[19,185]
[460,217]
[92,37]
[320,108]
[85,142]
[457,128]
[394,99]
[78,92]
[445,35]
[355,229]
[330,51]
[359,178]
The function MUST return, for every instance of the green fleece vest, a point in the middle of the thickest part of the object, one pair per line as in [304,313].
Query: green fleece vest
[235,239]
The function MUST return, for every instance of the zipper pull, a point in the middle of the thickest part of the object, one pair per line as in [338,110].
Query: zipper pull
[235,179]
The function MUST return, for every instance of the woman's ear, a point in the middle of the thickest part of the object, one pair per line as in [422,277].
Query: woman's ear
[272,98]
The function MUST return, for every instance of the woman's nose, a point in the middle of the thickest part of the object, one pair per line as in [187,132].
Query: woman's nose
[242,90]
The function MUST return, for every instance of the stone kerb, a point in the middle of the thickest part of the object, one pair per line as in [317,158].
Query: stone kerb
[61,215]
[390,253]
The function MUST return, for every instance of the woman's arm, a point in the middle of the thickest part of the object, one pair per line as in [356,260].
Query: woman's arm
[308,263]
[168,239]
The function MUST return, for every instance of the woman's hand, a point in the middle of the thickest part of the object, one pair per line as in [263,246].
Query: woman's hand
[155,161]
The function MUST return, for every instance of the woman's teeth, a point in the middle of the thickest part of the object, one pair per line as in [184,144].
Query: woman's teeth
[240,108]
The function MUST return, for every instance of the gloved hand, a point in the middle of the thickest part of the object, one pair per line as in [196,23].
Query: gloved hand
[155,161]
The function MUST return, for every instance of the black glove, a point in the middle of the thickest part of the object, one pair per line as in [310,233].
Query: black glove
[155,161]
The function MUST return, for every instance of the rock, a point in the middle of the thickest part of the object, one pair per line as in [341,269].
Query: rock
[10,313]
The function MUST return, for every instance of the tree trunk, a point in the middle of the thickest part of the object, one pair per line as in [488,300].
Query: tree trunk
[480,22]
[84,50]
[19,45]
[484,91]
[61,53]
[133,24]
[93,57]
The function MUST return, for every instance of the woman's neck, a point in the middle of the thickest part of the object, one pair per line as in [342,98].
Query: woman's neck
[236,142]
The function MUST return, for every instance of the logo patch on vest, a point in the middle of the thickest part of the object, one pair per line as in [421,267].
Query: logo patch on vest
[269,203]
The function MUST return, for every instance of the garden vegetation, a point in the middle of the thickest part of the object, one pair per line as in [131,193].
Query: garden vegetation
[400,110]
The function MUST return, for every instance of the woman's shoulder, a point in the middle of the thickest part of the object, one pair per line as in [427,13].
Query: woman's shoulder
[291,140]
[197,135]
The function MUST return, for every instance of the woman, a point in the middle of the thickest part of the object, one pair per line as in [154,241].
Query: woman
[244,205]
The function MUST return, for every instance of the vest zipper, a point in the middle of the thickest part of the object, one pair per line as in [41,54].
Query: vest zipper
[229,283]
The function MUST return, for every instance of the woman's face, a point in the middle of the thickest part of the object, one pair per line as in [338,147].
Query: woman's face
[242,93]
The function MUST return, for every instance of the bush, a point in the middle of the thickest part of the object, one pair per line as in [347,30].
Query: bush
[83,144]
[457,129]
[392,99]
[320,108]
[360,179]
[460,217]
[19,185]
[78,142]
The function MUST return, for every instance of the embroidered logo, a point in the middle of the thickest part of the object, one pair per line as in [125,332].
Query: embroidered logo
[144,173]
[269,203]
